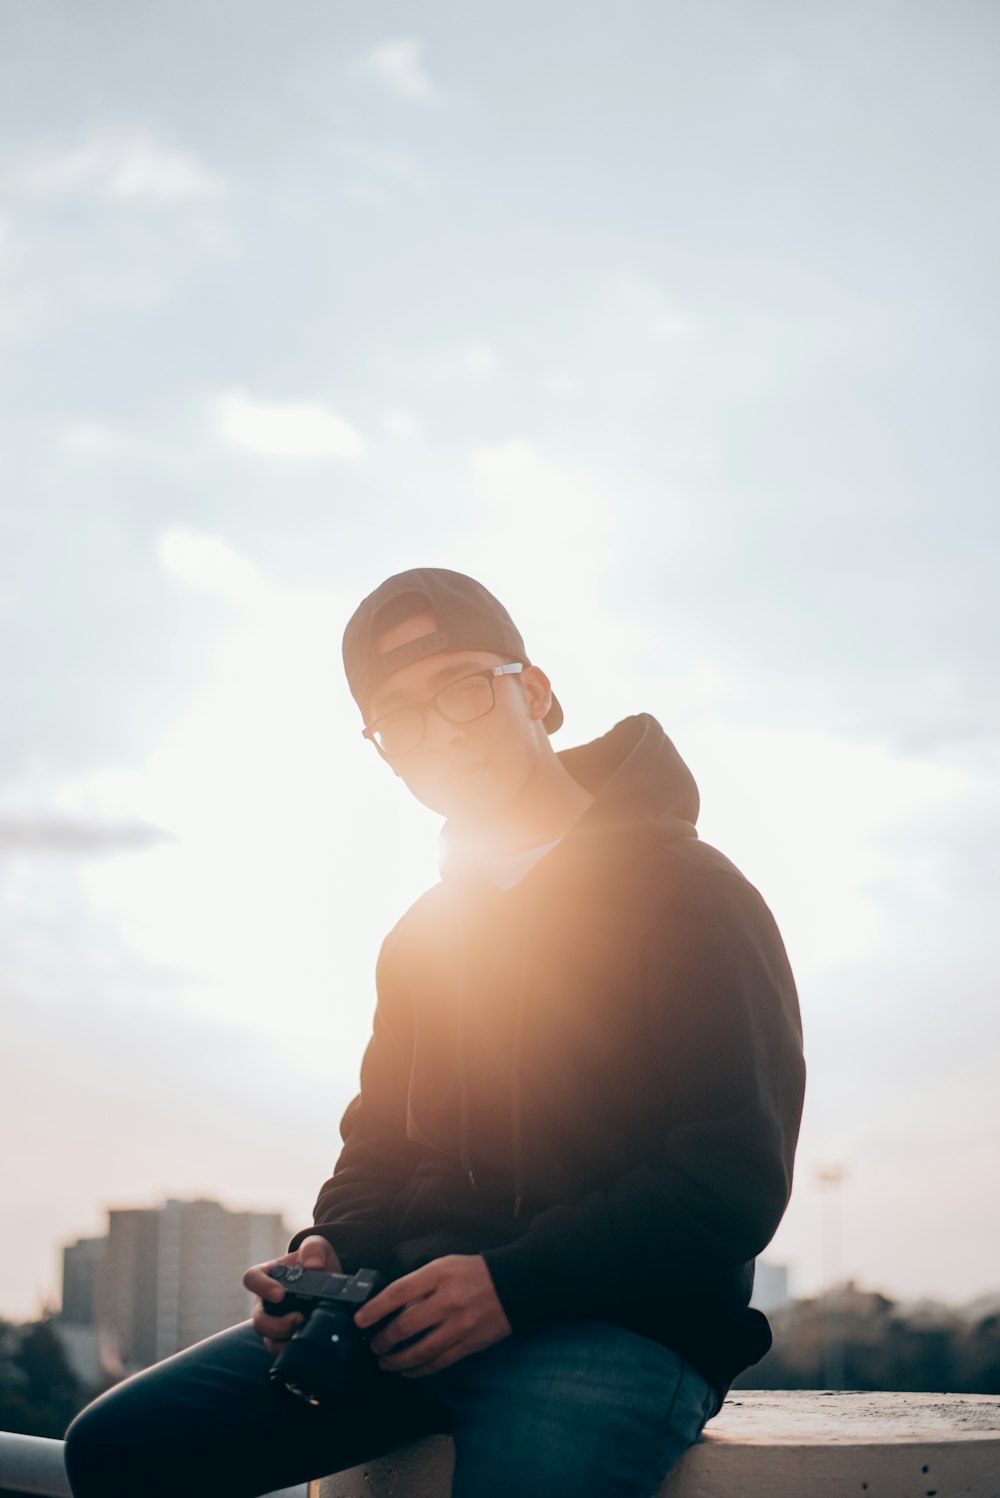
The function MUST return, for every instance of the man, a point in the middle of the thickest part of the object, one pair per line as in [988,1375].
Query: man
[576,1120]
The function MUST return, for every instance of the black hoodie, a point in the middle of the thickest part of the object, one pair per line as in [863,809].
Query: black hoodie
[594,1079]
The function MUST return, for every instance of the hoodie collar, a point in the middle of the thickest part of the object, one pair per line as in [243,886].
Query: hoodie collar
[634,773]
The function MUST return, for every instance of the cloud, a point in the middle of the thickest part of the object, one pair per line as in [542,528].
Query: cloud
[453,368]
[17,302]
[560,383]
[380,173]
[561,508]
[122,165]
[73,836]
[401,423]
[479,358]
[208,563]
[82,437]
[399,65]
[288,429]
[543,535]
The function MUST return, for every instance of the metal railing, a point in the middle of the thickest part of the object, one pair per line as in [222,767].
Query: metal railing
[32,1464]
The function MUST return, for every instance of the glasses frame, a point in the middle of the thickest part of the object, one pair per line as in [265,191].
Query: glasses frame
[371,730]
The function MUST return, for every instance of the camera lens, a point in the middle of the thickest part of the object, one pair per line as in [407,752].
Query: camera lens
[316,1365]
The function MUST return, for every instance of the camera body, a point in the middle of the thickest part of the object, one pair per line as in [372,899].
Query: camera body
[316,1364]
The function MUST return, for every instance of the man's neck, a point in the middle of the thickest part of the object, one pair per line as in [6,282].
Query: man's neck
[548,806]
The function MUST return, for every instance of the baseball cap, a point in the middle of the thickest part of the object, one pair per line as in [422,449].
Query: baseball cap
[467,615]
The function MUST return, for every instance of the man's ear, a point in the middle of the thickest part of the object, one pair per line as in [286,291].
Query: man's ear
[537,691]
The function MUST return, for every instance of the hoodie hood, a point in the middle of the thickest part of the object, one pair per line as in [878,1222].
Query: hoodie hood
[636,777]
[635,774]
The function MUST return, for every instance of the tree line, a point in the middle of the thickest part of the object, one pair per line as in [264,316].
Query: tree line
[855,1339]
[861,1338]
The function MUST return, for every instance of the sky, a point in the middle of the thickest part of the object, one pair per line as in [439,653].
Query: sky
[677,325]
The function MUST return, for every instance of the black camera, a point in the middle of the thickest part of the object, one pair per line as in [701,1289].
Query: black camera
[318,1362]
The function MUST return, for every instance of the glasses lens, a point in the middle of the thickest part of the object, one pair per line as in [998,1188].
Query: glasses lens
[397,733]
[461,702]
[466,700]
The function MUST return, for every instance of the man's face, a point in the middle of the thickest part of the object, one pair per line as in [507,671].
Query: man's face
[470,772]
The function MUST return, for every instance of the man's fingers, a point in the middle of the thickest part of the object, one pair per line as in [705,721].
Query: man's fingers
[275,1314]
[258,1281]
[267,1318]
[412,1321]
[445,1310]
[276,1329]
[422,1353]
[439,1351]
[449,1356]
[315,1252]
[410,1289]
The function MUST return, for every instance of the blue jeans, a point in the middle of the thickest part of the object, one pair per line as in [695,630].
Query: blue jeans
[579,1407]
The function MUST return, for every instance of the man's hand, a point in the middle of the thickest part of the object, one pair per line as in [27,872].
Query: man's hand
[450,1304]
[312,1253]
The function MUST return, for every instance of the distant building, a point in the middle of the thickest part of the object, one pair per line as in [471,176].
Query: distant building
[82,1263]
[165,1277]
[770,1286]
[82,1348]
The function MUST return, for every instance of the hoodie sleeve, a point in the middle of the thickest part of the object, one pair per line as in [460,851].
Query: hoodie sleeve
[726,1049]
[354,1208]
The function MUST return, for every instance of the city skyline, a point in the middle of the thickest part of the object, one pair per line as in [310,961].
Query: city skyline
[164,1277]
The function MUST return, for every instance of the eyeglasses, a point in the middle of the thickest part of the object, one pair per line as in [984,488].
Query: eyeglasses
[461,701]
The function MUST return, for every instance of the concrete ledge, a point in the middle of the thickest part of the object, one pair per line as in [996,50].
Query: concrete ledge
[765,1444]
[761,1445]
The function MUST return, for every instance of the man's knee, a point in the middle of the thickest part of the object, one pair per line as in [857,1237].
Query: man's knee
[93,1454]
[588,1409]
[126,1443]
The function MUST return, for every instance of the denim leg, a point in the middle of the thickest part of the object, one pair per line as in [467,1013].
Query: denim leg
[207,1424]
[573,1407]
